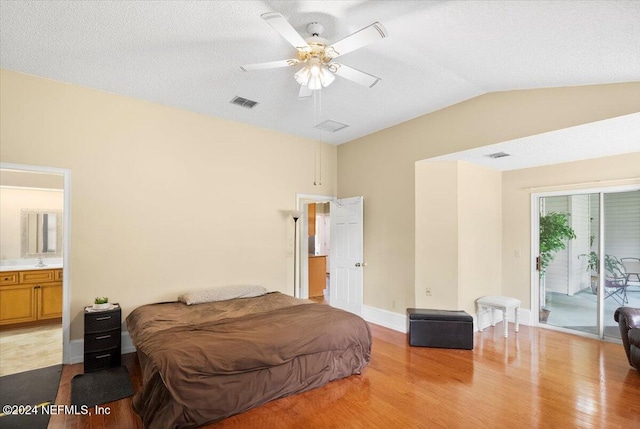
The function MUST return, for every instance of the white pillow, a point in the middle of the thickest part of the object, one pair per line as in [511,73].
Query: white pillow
[221,294]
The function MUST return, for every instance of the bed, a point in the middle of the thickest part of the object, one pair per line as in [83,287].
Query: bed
[202,363]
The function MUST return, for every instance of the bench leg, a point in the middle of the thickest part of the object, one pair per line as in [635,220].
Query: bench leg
[493,320]
[517,311]
[506,323]
[479,313]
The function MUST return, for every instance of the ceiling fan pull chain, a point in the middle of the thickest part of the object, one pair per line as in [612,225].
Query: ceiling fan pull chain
[320,139]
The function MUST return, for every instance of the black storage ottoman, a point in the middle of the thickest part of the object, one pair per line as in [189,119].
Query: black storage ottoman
[447,329]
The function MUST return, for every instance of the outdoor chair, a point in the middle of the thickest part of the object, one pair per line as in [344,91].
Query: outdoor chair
[632,268]
[615,286]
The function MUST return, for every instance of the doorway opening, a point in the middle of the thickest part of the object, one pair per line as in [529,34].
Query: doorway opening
[315,246]
[578,290]
[34,260]
[319,250]
[346,250]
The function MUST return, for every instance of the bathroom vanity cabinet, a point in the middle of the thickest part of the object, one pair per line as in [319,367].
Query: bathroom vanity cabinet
[317,275]
[30,297]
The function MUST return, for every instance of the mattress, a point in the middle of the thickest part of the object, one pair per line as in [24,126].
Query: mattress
[202,363]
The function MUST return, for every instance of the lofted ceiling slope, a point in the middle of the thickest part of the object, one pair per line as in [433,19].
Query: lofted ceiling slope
[187,54]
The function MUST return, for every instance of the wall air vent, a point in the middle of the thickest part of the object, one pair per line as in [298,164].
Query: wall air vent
[244,102]
[497,155]
[331,126]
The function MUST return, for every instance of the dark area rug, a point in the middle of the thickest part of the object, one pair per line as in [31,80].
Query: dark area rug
[101,387]
[31,388]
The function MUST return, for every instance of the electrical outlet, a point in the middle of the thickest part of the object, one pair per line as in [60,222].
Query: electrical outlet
[428,291]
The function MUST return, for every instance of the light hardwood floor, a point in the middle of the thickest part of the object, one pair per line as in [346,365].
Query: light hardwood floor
[534,379]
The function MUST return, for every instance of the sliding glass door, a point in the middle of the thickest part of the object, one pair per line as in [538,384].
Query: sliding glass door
[574,231]
[621,255]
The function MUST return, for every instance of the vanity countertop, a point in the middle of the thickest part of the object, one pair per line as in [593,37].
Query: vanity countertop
[29,267]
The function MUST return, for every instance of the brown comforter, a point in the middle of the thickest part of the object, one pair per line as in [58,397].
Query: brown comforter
[205,362]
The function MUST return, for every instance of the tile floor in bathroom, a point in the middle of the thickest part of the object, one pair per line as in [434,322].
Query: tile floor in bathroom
[30,348]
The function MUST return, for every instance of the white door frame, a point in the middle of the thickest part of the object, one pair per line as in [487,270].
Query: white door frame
[535,251]
[66,249]
[302,286]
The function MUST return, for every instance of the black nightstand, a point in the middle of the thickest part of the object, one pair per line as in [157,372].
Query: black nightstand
[102,341]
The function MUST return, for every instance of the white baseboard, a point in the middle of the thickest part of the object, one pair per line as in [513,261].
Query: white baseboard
[77,347]
[398,322]
[388,319]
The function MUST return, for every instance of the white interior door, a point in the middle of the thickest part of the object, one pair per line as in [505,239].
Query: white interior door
[346,229]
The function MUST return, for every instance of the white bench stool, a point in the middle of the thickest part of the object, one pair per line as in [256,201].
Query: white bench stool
[496,302]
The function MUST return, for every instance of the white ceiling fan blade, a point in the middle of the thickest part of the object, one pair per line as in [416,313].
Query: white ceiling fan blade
[269,65]
[282,26]
[360,38]
[305,92]
[354,75]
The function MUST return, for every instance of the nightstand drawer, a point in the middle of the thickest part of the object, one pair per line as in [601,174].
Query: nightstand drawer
[102,341]
[101,321]
[101,360]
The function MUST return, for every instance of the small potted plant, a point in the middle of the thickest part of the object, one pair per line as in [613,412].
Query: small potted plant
[593,267]
[101,303]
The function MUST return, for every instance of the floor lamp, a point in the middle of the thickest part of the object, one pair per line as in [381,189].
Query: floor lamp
[295,214]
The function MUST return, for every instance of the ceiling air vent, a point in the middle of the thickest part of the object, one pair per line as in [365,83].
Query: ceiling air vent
[331,125]
[497,155]
[244,102]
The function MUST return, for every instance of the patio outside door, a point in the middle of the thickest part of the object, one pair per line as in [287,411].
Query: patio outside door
[572,293]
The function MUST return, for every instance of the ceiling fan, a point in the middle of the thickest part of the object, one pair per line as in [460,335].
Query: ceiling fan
[317,55]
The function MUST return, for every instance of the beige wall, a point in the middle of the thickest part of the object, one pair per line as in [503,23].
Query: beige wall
[480,234]
[517,187]
[436,239]
[28,179]
[458,234]
[162,200]
[381,167]
[12,201]
[165,200]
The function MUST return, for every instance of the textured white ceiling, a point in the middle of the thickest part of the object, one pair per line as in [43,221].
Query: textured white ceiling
[597,139]
[186,54]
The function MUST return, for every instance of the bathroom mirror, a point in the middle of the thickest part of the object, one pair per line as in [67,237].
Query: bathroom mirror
[41,233]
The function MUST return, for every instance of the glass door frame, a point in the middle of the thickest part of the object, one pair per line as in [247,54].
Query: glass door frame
[535,252]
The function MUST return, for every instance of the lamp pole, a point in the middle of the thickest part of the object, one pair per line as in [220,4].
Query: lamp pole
[296,216]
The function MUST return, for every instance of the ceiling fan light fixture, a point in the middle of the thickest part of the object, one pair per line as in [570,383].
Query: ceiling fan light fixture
[314,83]
[314,69]
[315,75]
[302,76]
